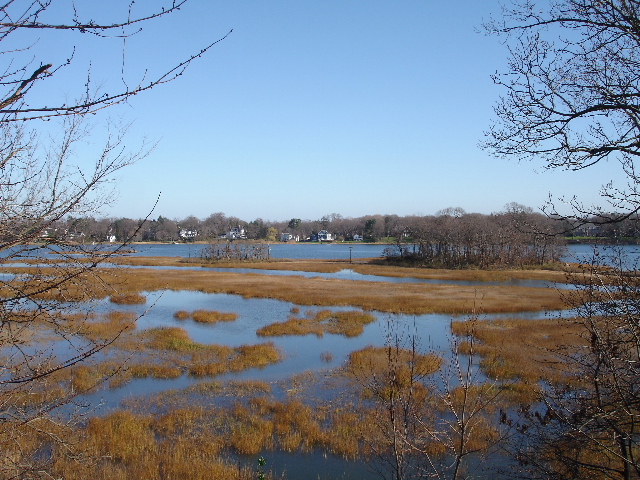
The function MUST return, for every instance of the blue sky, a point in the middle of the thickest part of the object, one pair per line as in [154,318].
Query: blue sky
[311,108]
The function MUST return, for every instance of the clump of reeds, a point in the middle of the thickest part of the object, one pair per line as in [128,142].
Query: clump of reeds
[211,316]
[528,356]
[128,299]
[326,357]
[246,387]
[379,369]
[216,359]
[154,370]
[170,338]
[206,316]
[208,360]
[181,315]
[349,324]
[377,359]
[107,326]
[85,378]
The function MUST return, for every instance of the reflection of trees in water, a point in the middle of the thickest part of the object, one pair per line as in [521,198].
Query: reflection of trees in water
[235,251]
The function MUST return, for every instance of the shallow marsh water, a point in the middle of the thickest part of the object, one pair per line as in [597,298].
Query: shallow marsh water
[301,353]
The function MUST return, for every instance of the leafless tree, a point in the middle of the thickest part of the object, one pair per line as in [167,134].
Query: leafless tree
[572,99]
[572,91]
[453,239]
[436,415]
[589,426]
[42,184]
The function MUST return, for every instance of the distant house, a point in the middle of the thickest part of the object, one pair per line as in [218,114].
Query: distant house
[358,238]
[235,233]
[321,236]
[188,234]
[111,238]
[324,236]
[289,237]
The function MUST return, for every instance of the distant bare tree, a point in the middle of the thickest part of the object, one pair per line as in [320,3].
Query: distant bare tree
[518,236]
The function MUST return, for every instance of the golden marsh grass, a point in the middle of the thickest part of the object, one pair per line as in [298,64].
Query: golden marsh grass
[207,360]
[107,326]
[162,352]
[191,443]
[206,316]
[124,445]
[348,324]
[381,296]
[552,273]
[128,299]
[212,316]
[173,445]
[515,349]
[374,361]
[181,315]
[379,369]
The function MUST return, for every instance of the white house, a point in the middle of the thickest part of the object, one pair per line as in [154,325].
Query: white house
[188,234]
[235,233]
[324,236]
[358,238]
[288,237]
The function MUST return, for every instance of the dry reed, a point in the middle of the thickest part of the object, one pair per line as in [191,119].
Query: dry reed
[377,361]
[181,315]
[128,299]
[211,316]
[381,296]
[348,324]
[515,349]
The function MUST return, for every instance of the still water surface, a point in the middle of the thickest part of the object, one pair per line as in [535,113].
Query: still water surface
[301,354]
[574,253]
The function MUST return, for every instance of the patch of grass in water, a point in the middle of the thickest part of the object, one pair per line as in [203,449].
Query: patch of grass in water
[348,324]
[128,299]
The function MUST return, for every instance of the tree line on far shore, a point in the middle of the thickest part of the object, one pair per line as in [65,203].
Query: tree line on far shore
[371,228]
[452,237]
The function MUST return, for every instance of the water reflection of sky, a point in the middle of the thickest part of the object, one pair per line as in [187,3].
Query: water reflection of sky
[604,254]
[300,353]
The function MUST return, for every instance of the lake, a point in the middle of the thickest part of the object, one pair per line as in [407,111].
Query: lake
[277,250]
[583,253]
[341,251]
